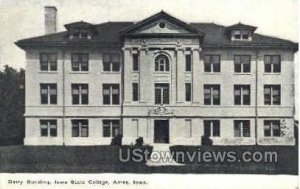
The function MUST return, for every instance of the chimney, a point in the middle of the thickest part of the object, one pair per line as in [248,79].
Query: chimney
[50,19]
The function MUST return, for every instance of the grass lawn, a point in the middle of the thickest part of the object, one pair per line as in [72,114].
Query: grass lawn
[105,159]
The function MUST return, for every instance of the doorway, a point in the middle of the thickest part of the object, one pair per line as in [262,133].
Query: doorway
[161,131]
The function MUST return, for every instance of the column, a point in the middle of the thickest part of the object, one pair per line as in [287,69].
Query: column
[127,75]
[145,84]
[180,76]
[196,77]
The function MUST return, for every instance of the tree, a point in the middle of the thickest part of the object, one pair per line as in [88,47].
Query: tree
[12,106]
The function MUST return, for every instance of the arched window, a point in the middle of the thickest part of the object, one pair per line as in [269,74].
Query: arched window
[162,63]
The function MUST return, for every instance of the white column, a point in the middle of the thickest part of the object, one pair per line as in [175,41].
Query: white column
[145,85]
[180,76]
[127,76]
[196,79]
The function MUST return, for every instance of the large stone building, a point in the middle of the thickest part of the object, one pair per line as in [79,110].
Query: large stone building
[161,79]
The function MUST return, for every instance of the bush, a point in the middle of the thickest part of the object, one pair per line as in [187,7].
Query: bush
[139,141]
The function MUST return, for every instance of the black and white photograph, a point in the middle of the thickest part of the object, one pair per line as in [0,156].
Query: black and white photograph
[149,94]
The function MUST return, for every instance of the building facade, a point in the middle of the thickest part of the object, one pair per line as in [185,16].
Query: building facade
[161,79]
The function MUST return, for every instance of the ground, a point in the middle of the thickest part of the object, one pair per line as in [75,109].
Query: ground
[105,159]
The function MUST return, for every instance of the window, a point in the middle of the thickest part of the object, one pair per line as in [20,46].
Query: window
[272,63]
[48,93]
[48,128]
[212,95]
[188,127]
[80,94]
[272,128]
[188,63]
[242,63]
[111,62]
[241,128]
[80,34]
[162,93]
[241,35]
[111,93]
[162,63]
[48,61]
[111,128]
[135,62]
[188,92]
[80,128]
[212,63]
[211,128]
[135,91]
[80,62]
[272,94]
[242,95]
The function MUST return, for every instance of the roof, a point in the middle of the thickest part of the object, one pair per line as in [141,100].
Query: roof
[80,24]
[241,26]
[111,33]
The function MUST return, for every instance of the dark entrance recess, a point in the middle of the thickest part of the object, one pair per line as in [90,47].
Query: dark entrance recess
[161,131]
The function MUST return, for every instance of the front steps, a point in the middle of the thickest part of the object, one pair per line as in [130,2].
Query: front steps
[161,156]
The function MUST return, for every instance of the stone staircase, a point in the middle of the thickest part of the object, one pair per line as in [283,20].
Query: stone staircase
[161,156]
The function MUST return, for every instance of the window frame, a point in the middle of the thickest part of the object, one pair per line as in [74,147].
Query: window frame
[48,123]
[111,62]
[241,126]
[241,96]
[80,124]
[210,64]
[135,91]
[80,87]
[110,87]
[110,123]
[158,64]
[241,63]
[271,88]
[271,128]
[188,63]
[48,62]
[272,64]
[80,62]
[212,88]
[188,92]
[214,128]
[163,88]
[135,62]
[51,99]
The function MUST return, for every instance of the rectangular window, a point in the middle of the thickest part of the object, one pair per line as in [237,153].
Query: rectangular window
[80,93]
[188,127]
[111,93]
[212,128]
[48,128]
[48,93]
[80,62]
[212,63]
[111,128]
[241,94]
[188,63]
[272,94]
[48,61]
[272,128]
[212,95]
[80,128]
[111,62]
[188,92]
[242,128]
[242,63]
[272,63]
[135,91]
[135,62]
[162,93]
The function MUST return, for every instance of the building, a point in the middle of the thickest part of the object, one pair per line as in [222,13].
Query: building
[161,79]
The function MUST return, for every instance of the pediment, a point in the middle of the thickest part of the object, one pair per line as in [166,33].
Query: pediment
[161,23]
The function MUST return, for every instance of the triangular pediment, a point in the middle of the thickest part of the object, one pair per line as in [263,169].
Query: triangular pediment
[161,23]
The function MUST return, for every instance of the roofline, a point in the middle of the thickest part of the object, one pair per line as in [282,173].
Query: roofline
[293,47]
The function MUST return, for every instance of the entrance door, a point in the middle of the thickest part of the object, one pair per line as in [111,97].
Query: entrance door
[161,131]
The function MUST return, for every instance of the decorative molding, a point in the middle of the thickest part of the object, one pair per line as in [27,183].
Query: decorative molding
[161,110]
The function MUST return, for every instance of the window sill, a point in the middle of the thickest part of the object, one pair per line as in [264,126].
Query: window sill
[271,73]
[212,73]
[48,72]
[165,73]
[242,73]
[79,72]
[110,72]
